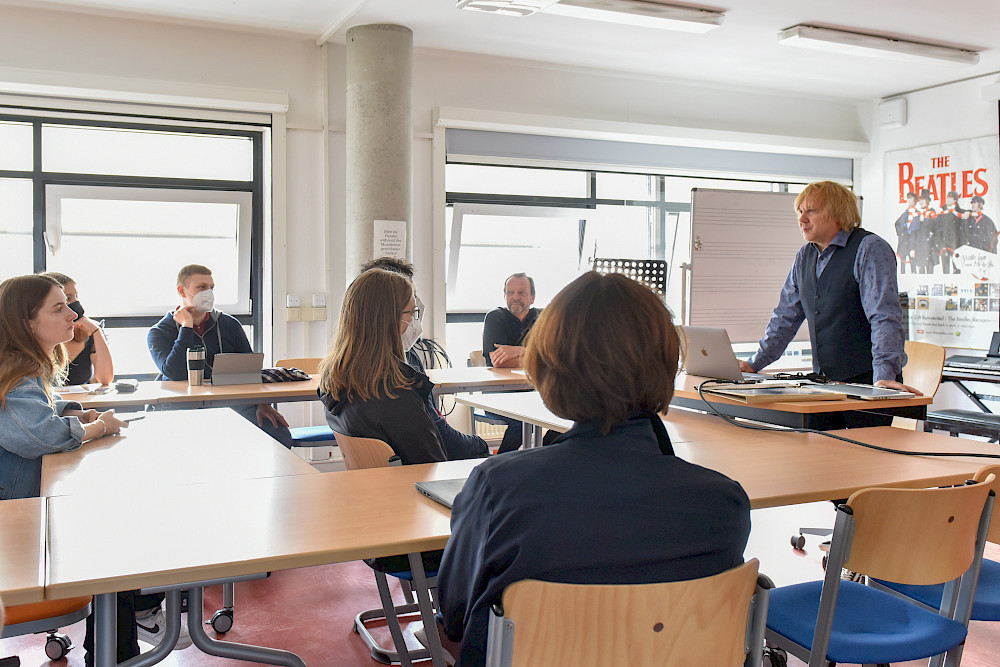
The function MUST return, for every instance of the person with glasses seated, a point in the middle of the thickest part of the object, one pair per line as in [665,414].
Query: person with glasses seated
[365,383]
[457,445]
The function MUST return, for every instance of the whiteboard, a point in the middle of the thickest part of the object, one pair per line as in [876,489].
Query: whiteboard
[743,246]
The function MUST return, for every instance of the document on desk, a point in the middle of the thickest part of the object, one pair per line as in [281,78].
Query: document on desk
[752,394]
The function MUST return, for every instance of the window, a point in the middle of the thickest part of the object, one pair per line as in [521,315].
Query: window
[121,205]
[561,220]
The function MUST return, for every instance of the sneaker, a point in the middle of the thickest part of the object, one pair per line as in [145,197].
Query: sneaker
[421,635]
[851,575]
[151,626]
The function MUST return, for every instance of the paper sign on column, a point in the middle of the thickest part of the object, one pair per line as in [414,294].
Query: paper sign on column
[389,239]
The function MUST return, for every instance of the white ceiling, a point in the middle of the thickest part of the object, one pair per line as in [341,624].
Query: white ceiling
[743,52]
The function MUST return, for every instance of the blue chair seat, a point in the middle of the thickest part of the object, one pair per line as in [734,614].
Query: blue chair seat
[986,606]
[311,434]
[903,632]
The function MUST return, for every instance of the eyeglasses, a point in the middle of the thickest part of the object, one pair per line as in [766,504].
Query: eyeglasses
[416,312]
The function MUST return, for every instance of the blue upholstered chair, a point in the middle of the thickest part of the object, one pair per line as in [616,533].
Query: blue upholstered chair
[911,536]
[986,606]
[360,453]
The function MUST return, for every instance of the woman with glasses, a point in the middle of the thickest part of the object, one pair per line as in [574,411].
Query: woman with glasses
[365,383]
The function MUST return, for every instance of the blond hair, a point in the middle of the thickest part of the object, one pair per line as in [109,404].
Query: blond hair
[834,200]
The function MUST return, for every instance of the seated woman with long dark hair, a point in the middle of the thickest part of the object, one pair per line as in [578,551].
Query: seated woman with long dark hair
[365,383]
[607,502]
[35,321]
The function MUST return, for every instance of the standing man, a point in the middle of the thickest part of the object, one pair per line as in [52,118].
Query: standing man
[196,323]
[505,329]
[504,332]
[979,231]
[843,282]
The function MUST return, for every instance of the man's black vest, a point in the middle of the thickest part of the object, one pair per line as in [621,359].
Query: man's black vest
[841,333]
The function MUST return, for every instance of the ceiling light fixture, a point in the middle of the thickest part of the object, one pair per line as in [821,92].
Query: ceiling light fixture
[639,13]
[505,7]
[841,41]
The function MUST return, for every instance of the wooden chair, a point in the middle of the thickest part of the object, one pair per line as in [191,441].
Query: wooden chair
[910,536]
[38,617]
[361,453]
[308,436]
[717,620]
[986,605]
[924,364]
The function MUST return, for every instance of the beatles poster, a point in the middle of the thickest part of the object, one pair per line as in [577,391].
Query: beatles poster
[942,203]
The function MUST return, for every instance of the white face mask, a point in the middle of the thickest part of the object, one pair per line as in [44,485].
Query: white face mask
[203,301]
[411,334]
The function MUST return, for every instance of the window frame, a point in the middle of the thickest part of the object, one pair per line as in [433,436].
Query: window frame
[257,133]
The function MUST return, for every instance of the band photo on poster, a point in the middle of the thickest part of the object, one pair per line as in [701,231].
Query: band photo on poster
[943,201]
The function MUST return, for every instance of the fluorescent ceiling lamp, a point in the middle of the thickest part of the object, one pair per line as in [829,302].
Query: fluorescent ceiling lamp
[840,41]
[638,13]
[505,7]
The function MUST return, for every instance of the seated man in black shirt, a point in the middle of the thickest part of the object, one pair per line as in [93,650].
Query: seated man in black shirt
[504,332]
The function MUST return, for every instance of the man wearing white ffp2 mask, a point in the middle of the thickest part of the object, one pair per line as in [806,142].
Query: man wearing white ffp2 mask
[196,323]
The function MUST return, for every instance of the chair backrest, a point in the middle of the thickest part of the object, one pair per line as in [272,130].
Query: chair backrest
[916,536]
[363,452]
[924,363]
[994,533]
[308,364]
[694,622]
[476,358]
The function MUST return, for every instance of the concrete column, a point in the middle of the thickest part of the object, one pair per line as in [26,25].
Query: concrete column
[379,135]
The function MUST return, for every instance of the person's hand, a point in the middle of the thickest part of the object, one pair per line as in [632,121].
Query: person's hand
[87,325]
[87,416]
[184,316]
[265,411]
[509,355]
[746,367]
[111,423]
[892,384]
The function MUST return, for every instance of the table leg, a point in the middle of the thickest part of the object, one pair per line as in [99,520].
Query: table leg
[106,630]
[423,597]
[258,654]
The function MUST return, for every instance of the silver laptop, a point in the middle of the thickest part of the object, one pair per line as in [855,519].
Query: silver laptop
[865,392]
[235,368]
[441,490]
[706,351]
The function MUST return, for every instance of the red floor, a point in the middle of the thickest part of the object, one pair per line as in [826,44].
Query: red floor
[310,611]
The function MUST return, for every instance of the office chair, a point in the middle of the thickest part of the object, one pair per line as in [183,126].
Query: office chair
[308,436]
[910,536]
[986,605]
[360,453]
[38,617]
[716,620]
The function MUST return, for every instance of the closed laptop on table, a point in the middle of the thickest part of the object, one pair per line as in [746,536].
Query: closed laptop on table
[235,368]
